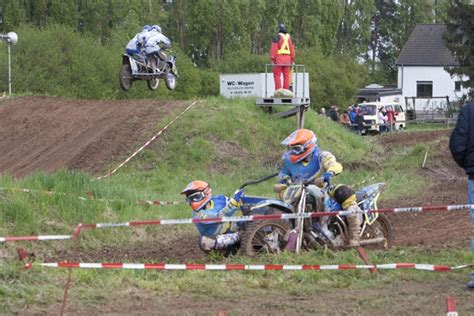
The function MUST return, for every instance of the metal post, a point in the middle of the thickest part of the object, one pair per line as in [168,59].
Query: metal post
[266,83]
[9,69]
[295,93]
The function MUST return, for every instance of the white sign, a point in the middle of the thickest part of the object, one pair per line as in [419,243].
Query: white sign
[259,85]
[240,85]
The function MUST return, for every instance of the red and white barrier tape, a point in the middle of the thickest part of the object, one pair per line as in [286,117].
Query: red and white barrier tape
[35,238]
[148,142]
[247,267]
[159,202]
[251,218]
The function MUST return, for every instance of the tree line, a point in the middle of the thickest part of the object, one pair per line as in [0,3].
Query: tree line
[363,37]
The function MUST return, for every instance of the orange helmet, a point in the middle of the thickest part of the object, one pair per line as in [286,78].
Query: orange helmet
[301,143]
[198,194]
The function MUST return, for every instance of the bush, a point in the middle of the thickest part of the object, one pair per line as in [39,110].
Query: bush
[58,61]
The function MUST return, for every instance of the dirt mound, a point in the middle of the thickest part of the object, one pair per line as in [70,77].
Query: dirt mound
[448,185]
[44,133]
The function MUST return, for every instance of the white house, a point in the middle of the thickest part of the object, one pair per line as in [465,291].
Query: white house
[425,85]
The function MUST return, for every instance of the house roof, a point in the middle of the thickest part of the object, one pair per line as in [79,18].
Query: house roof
[426,47]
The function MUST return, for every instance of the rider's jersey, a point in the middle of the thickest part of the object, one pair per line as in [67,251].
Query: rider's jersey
[218,206]
[153,39]
[134,45]
[319,163]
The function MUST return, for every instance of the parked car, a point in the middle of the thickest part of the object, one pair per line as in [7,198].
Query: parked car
[369,112]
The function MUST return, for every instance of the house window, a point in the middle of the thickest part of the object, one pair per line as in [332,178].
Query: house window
[457,86]
[424,89]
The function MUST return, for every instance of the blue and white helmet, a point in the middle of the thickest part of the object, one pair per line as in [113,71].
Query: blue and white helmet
[156,28]
[147,28]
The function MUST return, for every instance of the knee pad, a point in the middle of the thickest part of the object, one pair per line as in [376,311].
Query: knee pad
[344,195]
[207,243]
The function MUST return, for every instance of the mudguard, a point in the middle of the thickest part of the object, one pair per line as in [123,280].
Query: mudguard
[273,203]
[171,60]
[127,59]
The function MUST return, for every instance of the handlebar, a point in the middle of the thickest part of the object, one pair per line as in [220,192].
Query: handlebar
[259,180]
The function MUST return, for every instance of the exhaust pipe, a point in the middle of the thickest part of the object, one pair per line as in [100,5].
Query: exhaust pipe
[372,241]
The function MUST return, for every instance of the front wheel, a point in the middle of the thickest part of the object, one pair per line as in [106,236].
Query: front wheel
[170,79]
[264,237]
[125,77]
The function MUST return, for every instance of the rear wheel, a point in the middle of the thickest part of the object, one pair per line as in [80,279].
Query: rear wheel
[125,77]
[170,79]
[381,228]
[263,237]
[153,84]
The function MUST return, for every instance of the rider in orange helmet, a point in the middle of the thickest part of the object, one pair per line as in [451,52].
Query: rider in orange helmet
[214,236]
[304,160]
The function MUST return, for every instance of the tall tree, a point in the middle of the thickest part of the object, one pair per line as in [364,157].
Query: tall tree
[460,40]
[354,31]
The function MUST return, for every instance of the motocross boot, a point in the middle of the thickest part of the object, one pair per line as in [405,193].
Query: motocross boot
[354,221]
[226,240]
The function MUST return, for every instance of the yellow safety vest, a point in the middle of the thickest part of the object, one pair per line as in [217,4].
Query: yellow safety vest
[285,46]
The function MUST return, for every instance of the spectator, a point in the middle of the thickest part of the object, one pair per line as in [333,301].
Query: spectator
[461,145]
[345,120]
[359,120]
[322,112]
[390,118]
[353,113]
[382,119]
[333,115]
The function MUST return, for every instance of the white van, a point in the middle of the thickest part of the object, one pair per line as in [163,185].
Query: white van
[370,110]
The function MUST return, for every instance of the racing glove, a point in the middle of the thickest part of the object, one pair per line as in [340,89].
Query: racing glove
[237,199]
[327,176]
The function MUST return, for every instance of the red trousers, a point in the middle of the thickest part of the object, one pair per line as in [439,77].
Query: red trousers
[277,71]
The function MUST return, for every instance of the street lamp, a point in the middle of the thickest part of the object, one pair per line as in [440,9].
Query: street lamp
[11,38]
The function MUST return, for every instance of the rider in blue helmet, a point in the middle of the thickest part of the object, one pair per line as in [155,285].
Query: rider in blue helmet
[156,28]
[136,45]
[152,46]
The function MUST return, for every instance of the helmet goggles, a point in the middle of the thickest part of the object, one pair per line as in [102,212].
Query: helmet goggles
[195,197]
[296,149]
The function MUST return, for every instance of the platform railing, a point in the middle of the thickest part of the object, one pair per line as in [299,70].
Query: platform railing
[296,68]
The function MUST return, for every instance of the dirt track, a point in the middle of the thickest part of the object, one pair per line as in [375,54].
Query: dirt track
[43,133]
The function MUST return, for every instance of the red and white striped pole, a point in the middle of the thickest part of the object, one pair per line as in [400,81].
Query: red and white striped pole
[244,267]
[451,307]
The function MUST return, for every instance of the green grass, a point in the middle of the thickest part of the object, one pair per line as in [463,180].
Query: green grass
[428,126]
[225,143]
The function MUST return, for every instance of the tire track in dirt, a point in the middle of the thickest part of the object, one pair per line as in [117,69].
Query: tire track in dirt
[448,185]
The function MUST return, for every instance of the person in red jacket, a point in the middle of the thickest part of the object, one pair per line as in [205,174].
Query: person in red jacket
[390,113]
[282,55]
